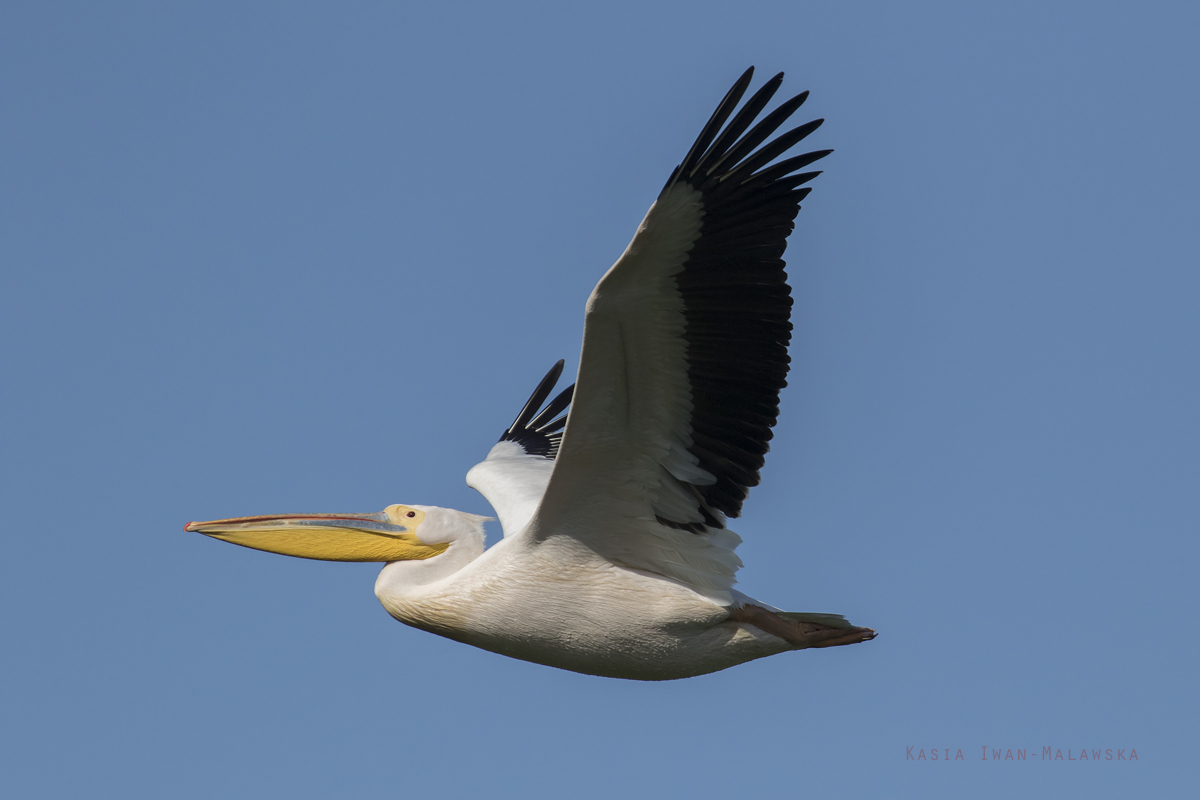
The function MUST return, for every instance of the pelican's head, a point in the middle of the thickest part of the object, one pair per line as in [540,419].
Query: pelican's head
[398,533]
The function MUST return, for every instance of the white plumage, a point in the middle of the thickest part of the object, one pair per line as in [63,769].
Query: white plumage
[616,559]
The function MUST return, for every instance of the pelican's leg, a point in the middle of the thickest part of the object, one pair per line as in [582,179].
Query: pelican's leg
[801,634]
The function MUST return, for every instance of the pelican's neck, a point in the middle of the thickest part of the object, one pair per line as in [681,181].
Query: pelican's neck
[421,593]
[463,535]
[401,577]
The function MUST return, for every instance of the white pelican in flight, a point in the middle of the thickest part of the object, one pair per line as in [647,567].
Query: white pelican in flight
[616,559]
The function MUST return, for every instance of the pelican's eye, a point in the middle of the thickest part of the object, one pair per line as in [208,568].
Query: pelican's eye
[411,514]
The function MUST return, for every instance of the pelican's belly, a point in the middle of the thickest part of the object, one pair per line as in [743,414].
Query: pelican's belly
[584,615]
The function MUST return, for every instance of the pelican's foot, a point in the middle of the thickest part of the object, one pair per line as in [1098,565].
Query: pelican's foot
[852,636]
[802,634]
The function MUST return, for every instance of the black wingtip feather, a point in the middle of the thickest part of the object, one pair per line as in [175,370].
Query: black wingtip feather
[539,434]
[713,126]
[554,408]
[737,126]
[758,134]
[538,397]
[736,299]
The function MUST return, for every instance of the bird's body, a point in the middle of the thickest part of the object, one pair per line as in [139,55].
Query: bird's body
[561,605]
[616,559]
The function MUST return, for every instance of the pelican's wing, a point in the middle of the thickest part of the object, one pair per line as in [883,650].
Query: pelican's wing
[684,356]
[514,475]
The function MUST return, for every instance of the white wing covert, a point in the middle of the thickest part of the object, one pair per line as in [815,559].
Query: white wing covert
[514,475]
[684,355]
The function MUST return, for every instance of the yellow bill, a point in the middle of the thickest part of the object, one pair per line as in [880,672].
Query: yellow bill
[390,535]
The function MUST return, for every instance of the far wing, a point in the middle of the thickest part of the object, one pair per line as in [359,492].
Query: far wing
[684,356]
[514,475]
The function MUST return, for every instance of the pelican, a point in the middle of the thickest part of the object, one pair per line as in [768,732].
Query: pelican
[616,559]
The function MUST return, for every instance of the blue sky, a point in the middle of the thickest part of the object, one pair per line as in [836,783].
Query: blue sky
[312,257]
